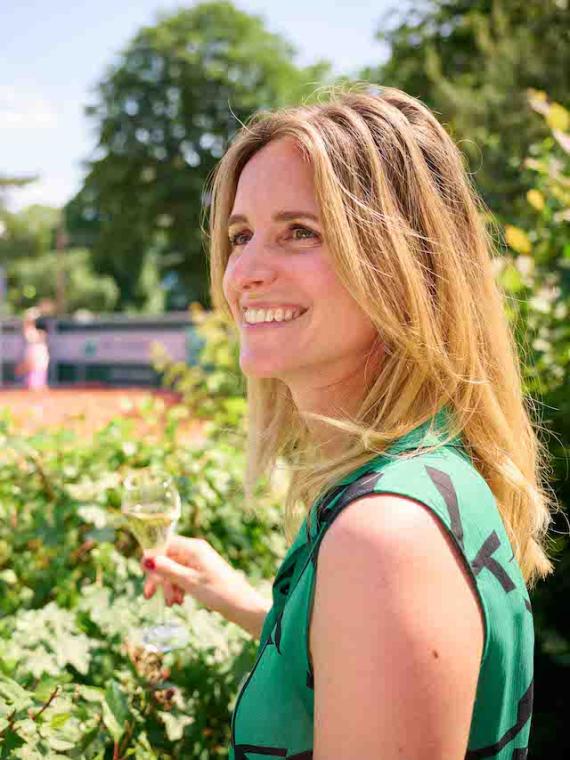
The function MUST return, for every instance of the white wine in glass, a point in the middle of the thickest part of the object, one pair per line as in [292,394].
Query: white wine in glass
[151,508]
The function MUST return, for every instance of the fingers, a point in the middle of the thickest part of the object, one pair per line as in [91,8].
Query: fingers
[150,585]
[187,551]
[172,594]
[163,569]
[179,596]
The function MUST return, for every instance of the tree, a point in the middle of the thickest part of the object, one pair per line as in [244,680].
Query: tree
[9,182]
[535,276]
[28,233]
[165,114]
[472,62]
[34,279]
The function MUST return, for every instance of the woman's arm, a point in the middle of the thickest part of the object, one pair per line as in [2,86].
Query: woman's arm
[396,637]
[250,612]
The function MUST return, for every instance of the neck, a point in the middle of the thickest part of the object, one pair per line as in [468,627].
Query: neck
[339,397]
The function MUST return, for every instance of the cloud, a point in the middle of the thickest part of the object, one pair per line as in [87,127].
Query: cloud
[24,109]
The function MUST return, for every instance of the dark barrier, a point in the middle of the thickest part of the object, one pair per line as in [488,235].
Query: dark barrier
[111,350]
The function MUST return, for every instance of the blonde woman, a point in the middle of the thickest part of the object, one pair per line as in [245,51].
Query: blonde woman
[347,246]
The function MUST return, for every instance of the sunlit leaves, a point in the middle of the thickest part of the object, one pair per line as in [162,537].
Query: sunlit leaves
[70,582]
[517,239]
[536,199]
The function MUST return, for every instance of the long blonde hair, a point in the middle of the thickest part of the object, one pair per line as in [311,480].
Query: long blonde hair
[405,230]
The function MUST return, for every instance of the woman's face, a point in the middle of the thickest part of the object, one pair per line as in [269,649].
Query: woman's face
[279,263]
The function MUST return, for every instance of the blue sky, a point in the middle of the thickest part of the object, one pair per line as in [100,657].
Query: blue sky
[53,52]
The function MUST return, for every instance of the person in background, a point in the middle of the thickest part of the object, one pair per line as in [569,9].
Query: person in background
[34,366]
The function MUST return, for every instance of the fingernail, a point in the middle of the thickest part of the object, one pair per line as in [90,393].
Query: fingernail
[149,564]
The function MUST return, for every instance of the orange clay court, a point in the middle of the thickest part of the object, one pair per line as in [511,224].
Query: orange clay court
[86,410]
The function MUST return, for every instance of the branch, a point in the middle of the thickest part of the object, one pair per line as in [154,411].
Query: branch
[10,726]
[85,547]
[126,737]
[47,704]
[47,486]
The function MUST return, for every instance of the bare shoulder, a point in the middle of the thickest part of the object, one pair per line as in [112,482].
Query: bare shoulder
[394,540]
[387,523]
[396,634]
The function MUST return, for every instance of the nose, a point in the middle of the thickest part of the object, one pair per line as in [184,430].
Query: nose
[252,269]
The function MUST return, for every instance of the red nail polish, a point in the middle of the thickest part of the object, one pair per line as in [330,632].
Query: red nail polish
[149,564]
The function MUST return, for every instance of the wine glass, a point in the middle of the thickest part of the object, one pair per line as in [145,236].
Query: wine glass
[151,509]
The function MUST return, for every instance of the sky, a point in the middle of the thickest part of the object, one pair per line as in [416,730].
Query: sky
[54,52]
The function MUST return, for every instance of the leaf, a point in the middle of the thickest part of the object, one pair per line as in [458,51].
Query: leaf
[175,724]
[15,696]
[511,279]
[558,118]
[9,576]
[87,739]
[536,199]
[115,710]
[60,744]
[91,693]
[59,719]
[517,239]
[10,741]
[45,688]
[94,514]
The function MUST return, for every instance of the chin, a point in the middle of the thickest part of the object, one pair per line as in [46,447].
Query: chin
[260,369]
[259,373]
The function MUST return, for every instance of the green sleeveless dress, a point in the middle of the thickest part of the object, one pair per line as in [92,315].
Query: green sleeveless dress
[273,713]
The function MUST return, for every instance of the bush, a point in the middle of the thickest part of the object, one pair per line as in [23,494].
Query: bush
[71,685]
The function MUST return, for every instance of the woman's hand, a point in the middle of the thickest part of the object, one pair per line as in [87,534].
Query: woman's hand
[192,566]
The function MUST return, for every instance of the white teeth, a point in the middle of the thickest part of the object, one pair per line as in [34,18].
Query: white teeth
[255,316]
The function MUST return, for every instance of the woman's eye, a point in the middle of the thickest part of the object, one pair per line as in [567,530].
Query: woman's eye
[235,239]
[241,238]
[298,228]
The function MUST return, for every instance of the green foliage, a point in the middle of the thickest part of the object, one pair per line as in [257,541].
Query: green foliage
[30,279]
[536,271]
[535,275]
[73,681]
[28,233]
[213,388]
[472,62]
[165,113]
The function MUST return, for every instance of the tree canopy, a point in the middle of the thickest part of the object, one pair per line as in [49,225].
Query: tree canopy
[472,62]
[165,113]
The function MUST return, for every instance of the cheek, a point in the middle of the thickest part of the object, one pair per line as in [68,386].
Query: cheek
[350,322]
[319,276]
[226,284]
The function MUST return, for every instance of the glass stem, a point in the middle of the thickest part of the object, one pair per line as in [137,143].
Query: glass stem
[160,606]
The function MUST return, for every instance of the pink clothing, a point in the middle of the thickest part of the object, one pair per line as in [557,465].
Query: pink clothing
[37,360]
[36,379]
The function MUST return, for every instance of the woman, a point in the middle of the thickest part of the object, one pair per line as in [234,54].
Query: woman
[34,365]
[347,246]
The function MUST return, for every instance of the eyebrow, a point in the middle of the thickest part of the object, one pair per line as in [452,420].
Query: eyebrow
[280,216]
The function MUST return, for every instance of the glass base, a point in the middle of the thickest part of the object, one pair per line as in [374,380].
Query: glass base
[164,637]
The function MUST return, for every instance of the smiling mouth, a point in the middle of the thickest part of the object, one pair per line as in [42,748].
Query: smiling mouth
[283,323]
